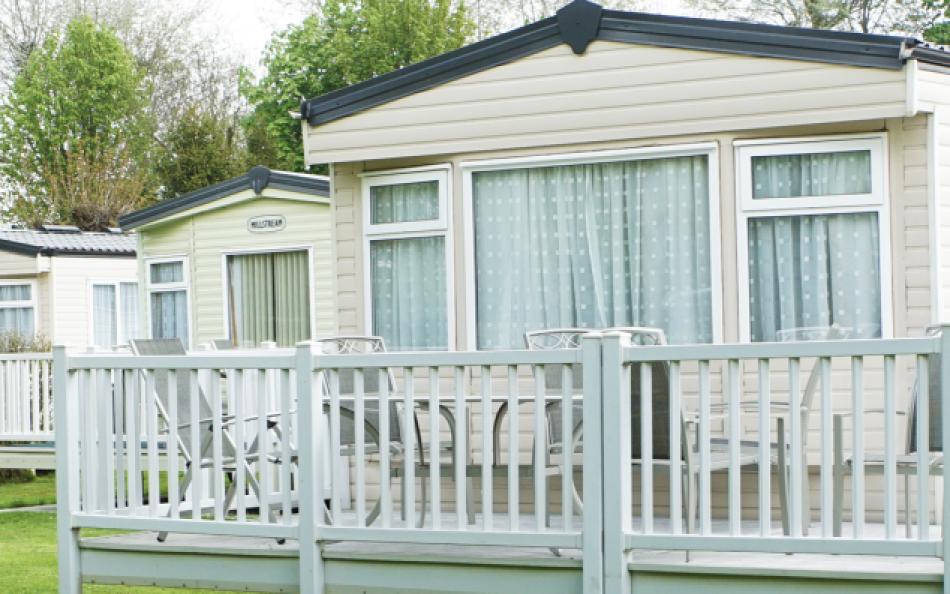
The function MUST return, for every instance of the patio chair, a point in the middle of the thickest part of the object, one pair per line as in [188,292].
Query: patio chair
[253,452]
[345,378]
[907,463]
[642,336]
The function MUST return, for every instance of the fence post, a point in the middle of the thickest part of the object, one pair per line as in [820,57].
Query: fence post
[66,407]
[593,526]
[616,446]
[944,432]
[310,489]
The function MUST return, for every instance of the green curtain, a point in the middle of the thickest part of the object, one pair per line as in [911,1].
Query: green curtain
[270,298]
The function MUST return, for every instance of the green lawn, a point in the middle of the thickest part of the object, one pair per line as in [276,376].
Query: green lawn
[28,542]
[28,557]
[40,491]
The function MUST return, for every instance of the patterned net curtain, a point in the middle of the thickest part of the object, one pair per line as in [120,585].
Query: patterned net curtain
[169,309]
[408,275]
[16,319]
[270,298]
[814,270]
[595,245]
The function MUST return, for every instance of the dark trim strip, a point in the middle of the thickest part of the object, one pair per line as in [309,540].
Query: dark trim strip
[35,250]
[257,179]
[835,47]
[473,58]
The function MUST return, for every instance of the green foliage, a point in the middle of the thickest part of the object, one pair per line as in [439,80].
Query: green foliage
[199,149]
[78,94]
[28,557]
[16,342]
[939,33]
[348,42]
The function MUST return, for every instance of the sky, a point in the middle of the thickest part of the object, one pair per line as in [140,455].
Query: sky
[247,25]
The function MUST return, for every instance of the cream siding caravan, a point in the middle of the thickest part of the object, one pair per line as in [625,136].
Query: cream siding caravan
[78,289]
[245,261]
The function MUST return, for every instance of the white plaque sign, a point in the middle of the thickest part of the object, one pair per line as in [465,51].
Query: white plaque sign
[266,223]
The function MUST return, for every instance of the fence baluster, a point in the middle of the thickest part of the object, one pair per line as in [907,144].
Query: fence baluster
[409,440]
[765,449]
[540,448]
[460,450]
[359,414]
[646,446]
[923,449]
[435,463]
[705,503]
[797,455]
[890,449]
[857,428]
[487,447]
[735,435]
[676,448]
[385,496]
[514,455]
[567,438]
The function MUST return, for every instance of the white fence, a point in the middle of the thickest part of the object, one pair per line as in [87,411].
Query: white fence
[26,397]
[509,448]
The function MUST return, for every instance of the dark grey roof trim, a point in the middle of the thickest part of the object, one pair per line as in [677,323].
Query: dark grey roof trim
[479,56]
[573,25]
[257,179]
[36,250]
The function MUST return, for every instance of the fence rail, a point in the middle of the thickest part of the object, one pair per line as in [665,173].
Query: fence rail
[26,397]
[608,448]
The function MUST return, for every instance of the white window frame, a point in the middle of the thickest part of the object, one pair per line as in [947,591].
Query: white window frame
[226,286]
[119,322]
[709,149]
[184,284]
[876,201]
[23,303]
[439,227]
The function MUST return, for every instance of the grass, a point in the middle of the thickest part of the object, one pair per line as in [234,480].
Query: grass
[28,557]
[39,491]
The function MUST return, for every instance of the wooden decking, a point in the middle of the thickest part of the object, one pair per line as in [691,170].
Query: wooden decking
[261,564]
[240,563]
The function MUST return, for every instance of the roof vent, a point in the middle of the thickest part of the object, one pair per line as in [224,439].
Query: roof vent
[60,228]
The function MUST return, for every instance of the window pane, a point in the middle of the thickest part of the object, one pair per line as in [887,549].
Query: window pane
[595,245]
[167,272]
[15,292]
[270,298]
[402,203]
[17,320]
[409,302]
[813,174]
[170,315]
[128,311]
[104,316]
[808,272]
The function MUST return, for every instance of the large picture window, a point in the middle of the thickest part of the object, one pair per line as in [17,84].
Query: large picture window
[269,298]
[168,299]
[407,271]
[620,242]
[114,318]
[17,308]
[812,241]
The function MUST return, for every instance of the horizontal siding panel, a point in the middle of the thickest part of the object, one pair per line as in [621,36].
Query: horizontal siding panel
[207,236]
[614,91]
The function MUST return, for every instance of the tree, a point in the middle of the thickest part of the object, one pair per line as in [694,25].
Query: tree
[908,17]
[349,41]
[199,149]
[79,102]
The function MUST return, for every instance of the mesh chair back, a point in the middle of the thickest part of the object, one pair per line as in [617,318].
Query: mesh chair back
[554,339]
[170,347]
[349,345]
[660,394]
[935,435]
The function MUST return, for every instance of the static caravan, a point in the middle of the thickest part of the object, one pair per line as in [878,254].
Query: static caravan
[246,260]
[614,168]
[79,289]
[772,202]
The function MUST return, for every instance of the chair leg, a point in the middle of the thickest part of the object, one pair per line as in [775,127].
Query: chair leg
[908,527]
[838,477]
[182,489]
[782,472]
[692,495]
